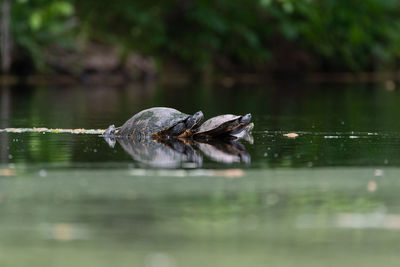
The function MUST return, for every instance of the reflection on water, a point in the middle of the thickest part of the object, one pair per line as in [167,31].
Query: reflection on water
[157,154]
[227,152]
[177,152]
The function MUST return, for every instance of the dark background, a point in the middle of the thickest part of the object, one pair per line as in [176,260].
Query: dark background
[140,39]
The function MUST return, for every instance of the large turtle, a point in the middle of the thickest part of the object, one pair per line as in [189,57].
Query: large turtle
[158,122]
[223,125]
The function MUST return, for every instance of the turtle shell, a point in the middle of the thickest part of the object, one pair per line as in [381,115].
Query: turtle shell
[151,121]
[219,125]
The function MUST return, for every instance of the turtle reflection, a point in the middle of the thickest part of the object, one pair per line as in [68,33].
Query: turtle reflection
[225,150]
[175,152]
[162,154]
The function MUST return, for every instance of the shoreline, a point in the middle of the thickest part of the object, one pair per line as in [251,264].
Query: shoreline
[226,80]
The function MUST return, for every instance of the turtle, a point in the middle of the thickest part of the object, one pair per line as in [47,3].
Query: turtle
[157,122]
[222,125]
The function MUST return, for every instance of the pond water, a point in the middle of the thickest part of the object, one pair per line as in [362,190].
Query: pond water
[324,196]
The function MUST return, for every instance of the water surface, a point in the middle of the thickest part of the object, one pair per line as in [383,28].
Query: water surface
[325,197]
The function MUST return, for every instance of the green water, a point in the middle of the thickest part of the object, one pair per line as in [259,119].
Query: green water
[328,197]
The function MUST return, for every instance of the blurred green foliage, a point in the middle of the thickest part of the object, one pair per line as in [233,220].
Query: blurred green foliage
[36,25]
[335,35]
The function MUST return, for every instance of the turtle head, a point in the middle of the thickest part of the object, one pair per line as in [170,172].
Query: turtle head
[244,124]
[191,123]
[109,135]
[184,128]
[110,131]
[245,119]
[194,120]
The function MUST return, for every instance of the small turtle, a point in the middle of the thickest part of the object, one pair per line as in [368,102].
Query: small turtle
[223,125]
[158,122]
